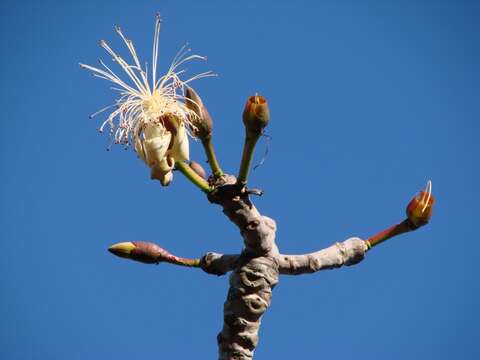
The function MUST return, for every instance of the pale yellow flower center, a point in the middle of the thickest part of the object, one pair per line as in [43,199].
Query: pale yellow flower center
[157,105]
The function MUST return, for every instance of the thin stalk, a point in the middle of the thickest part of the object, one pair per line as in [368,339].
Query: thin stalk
[183,261]
[403,227]
[212,159]
[251,139]
[191,175]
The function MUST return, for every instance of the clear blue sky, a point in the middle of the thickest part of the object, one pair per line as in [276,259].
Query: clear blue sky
[369,100]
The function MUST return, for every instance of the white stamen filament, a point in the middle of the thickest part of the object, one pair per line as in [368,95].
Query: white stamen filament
[143,103]
[428,194]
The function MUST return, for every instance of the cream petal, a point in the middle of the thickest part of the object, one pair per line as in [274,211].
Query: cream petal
[139,149]
[167,164]
[153,131]
[167,179]
[181,149]
[156,148]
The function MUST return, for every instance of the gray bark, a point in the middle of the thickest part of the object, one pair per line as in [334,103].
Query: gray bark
[349,252]
[255,271]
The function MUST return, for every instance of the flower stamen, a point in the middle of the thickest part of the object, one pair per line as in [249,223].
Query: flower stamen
[143,103]
[427,195]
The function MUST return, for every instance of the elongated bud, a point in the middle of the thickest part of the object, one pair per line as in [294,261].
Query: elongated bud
[145,252]
[419,210]
[256,114]
[202,121]
[199,170]
[149,253]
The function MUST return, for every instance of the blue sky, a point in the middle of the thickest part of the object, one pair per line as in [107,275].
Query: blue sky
[368,100]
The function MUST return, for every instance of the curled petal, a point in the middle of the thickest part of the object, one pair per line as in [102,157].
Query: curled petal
[166,179]
[163,170]
[167,164]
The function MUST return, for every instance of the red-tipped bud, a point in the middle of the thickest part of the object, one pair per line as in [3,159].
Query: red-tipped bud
[199,170]
[201,121]
[419,210]
[145,252]
[256,114]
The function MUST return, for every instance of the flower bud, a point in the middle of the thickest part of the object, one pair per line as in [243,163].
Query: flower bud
[256,114]
[122,249]
[199,170]
[145,252]
[202,122]
[419,210]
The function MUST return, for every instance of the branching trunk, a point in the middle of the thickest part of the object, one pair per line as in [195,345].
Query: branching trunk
[256,269]
[156,120]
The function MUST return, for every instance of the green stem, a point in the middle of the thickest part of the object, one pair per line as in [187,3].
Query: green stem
[251,139]
[192,176]
[212,159]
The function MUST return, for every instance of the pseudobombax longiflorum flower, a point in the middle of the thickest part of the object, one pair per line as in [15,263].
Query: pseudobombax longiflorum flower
[150,112]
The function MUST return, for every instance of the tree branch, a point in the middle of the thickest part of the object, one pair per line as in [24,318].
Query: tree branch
[349,252]
[218,264]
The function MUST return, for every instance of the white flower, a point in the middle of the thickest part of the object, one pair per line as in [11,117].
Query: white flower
[152,115]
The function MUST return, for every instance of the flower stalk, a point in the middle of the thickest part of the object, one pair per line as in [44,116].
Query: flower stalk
[191,175]
[251,140]
[403,227]
[256,116]
[212,159]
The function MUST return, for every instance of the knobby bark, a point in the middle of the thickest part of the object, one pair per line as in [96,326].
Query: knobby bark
[255,271]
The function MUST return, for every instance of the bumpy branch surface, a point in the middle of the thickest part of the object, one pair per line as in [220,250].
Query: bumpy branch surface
[255,271]
[349,252]
[218,264]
